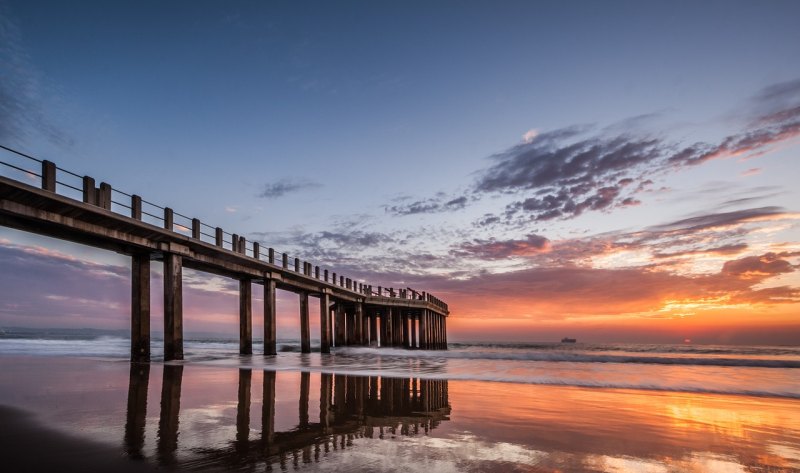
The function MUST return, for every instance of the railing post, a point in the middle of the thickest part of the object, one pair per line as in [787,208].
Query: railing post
[235,243]
[256,250]
[326,275]
[89,191]
[297,265]
[271,255]
[218,237]
[49,176]
[136,207]
[196,228]
[168,218]
[285,261]
[242,245]
[334,279]
[104,196]
[316,272]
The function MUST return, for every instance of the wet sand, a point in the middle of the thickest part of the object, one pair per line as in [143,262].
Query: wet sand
[28,446]
[93,415]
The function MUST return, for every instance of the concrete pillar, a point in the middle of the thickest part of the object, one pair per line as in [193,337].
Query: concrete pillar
[340,325]
[444,328]
[413,328]
[423,332]
[305,333]
[245,317]
[350,318]
[364,325]
[270,341]
[390,314]
[359,324]
[268,408]
[140,307]
[398,327]
[243,406]
[406,333]
[373,329]
[173,307]
[324,317]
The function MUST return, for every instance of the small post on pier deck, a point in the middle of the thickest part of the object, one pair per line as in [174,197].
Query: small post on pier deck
[140,307]
[270,342]
[305,333]
[90,192]
[324,317]
[173,307]
[49,176]
[245,317]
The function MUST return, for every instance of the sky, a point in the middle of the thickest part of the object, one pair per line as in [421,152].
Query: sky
[610,171]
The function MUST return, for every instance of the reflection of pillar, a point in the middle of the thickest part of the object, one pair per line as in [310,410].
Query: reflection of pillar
[305,331]
[168,419]
[270,341]
[173,307]
[325,388]
[245,317]
[324,314]
[140,307]
[305,386]
[268,408]
[137,409]
[243,407]
[339,392]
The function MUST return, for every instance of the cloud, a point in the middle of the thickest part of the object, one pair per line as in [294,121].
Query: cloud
[440,203]
[499,249]
[565,172]
[759,267]
[285,186]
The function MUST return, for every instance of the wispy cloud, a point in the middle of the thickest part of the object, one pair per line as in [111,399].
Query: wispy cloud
[21,109]
[273,190]
[440,203]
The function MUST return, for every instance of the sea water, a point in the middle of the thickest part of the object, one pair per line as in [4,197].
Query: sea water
[721,369]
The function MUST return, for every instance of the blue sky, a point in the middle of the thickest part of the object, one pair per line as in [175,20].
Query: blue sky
[382,138]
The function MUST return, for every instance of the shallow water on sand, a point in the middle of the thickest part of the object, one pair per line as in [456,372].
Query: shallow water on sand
[239,414]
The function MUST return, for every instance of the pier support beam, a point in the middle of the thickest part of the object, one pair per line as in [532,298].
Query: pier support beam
[305,331]
[245,317]
[373,329]
[140,307]
[412,319]
[340,328]
[324,317]
[423,330]
[270,345]
[173,307]
[406,334]
[359,322]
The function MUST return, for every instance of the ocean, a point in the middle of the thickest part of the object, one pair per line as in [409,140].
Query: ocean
[475,407]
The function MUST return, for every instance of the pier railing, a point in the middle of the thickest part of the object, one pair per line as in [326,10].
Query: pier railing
[17,165]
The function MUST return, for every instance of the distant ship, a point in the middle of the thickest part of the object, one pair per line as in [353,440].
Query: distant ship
[568,340]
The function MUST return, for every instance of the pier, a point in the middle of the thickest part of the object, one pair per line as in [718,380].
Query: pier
[58,203]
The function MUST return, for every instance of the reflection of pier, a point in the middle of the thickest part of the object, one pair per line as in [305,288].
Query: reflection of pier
[71,207]
[351,407]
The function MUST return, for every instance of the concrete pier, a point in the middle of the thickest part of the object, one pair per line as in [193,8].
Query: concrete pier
[388,317]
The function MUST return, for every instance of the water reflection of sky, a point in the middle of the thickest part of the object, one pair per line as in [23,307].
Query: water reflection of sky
[199,417]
